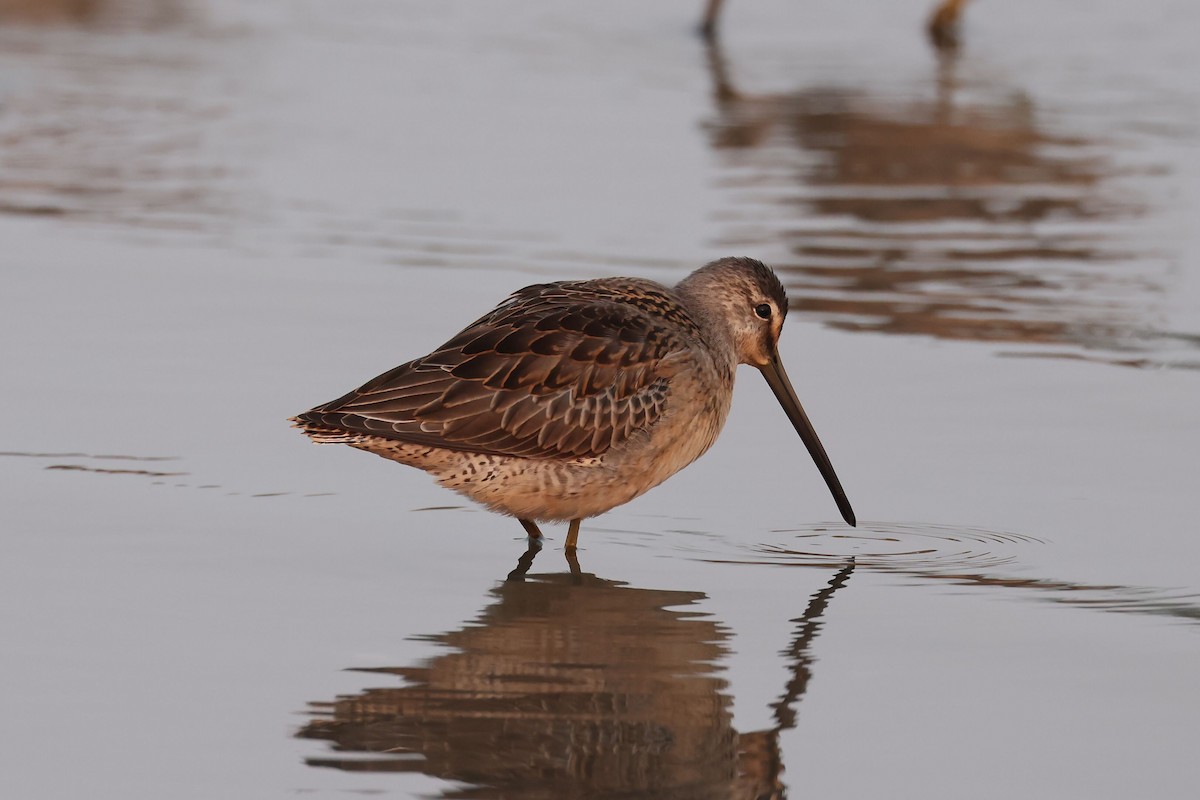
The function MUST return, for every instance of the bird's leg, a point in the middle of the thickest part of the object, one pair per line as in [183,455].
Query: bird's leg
[532,529]
[573,534]
[708,27]
[943,26]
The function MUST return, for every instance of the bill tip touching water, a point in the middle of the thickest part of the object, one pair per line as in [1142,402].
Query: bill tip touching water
[574,397]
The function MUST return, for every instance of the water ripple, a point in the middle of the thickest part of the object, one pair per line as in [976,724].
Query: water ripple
[958,556]
[895,545]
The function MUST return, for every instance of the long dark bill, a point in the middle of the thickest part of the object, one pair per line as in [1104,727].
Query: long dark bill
[778,380]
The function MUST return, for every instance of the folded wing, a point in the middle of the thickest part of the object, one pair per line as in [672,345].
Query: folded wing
[557,370]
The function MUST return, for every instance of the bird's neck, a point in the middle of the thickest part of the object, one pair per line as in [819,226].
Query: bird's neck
[712,318]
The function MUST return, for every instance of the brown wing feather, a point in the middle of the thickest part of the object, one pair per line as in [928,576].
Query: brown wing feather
[565,369]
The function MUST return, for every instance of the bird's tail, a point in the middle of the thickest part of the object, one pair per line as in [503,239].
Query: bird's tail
[314,426]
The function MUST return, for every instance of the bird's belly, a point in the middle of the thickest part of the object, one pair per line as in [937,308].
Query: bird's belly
[555,489]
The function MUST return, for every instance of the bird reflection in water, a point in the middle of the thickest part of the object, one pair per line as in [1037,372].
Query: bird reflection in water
[943,26]
[107,108]
[139,14]
[573,686]
[960,216]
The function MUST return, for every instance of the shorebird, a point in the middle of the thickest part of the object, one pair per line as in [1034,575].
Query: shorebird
[572,398]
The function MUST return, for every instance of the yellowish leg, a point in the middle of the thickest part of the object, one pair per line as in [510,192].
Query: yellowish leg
[573,564]
[573,535]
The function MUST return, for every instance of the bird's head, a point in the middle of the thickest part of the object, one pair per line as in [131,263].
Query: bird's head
[744,299]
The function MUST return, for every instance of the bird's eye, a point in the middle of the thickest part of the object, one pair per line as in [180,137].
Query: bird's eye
[763,310]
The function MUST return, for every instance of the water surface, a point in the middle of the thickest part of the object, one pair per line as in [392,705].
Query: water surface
[219,214]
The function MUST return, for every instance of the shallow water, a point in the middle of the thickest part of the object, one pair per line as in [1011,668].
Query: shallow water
[218,214]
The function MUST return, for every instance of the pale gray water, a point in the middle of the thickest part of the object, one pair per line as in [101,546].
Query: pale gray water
[217,214]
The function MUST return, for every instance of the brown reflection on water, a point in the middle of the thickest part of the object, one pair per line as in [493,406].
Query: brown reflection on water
[110,109]
[942,27]
[960,215]
[120,13]
[41,11]
[573,686]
